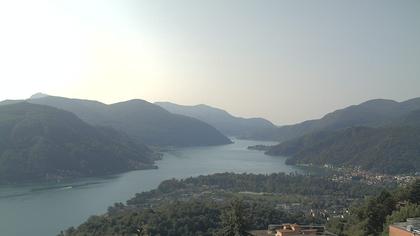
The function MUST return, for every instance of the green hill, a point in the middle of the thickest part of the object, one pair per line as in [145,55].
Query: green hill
[141,120]
[412,119]
[220,119]
[373,113]
[198,206]
[392,149]
[40,142]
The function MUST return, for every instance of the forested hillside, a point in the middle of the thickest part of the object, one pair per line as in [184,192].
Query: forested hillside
[225,204]
[40,142]
[372,113]
[375,214]
[220,119]
[393,150]
[143,121]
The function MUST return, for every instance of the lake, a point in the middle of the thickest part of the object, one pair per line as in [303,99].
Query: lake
[45,209]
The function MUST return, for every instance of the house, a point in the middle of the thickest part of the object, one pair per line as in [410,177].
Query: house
[294,230]
[297,230]
[409,228]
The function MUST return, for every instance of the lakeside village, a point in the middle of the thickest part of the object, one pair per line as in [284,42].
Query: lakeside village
[347,174]
[316,211]
[411,227]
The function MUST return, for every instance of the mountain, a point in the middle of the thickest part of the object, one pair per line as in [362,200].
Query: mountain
[220,119]
[373,113]
[393,149]
[41,142]
[8,102]
[38,95]
[412,119]
[145,122]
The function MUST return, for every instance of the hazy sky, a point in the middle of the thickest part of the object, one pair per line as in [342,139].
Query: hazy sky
[287,61]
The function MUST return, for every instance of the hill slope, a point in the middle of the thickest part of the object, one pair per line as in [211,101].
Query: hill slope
[373,113]
[220,119]
[412,119]
[198,206]
[392,149]
[41,142]
[141,120]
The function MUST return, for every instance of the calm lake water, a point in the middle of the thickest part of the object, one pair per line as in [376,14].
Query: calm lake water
[45,209]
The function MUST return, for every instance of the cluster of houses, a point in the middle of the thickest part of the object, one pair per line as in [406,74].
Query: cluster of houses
[350,174]
[411,227]
[292,230]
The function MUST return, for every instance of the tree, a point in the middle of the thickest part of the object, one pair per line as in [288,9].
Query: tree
[409,211]
[233,220]
[377,211]
[414,192]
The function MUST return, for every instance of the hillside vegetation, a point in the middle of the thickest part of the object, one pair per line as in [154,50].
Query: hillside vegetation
[376,213]
[143,121]
[40,142]
[393,149]
[373,113]
[220,119]
[225,204]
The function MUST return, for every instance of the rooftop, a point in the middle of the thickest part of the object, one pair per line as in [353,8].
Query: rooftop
[412,225]
[292,230]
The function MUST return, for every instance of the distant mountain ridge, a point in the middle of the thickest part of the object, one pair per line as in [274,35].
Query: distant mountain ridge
[38,95]
[373,113]
[220,119]
[41,142]
[393,148]
[145,122]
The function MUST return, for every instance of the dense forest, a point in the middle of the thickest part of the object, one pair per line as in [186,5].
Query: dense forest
[372,113]
[227,204]
[375,214]
[143,121]
[40,142]
[220,119]
[393,150]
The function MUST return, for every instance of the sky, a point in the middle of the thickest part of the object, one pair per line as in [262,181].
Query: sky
[287,61]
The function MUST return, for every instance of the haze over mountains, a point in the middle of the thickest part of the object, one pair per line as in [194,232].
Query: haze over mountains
[145,122]
[49,137]
[220,119]
[41,142]
[372,113]
[389,145]
[57,136]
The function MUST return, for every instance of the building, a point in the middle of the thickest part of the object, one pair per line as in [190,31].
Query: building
[409,228]
[292,230]
[295,230]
